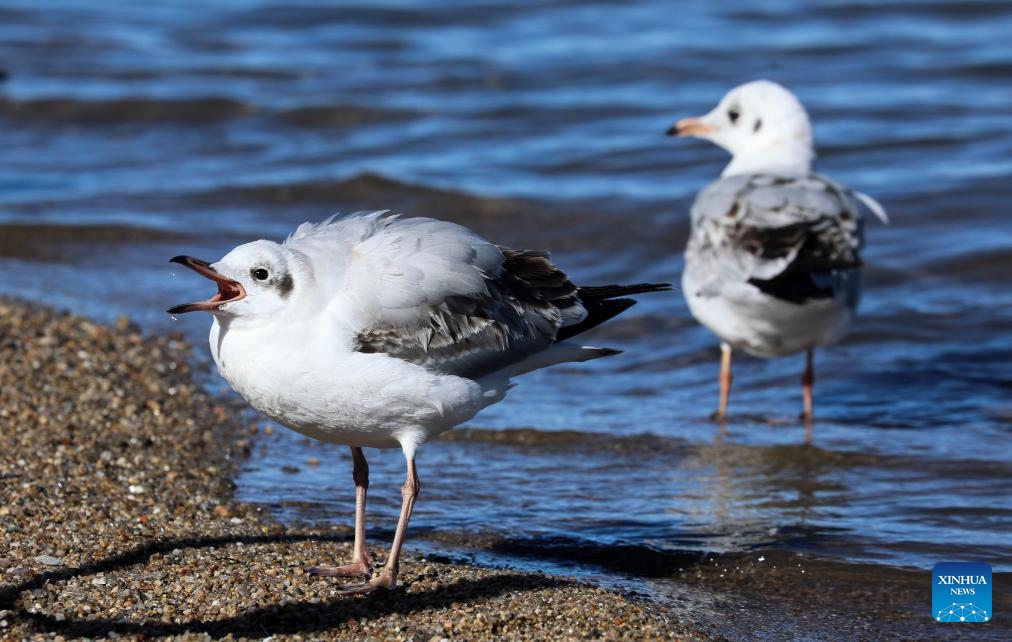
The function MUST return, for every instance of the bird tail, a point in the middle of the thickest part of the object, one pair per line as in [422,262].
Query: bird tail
[612,291]
[602,303]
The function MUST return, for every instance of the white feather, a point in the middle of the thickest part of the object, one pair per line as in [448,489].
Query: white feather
[873,205]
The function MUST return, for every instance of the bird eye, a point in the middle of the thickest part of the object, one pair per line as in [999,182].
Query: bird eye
[260,274]
[733,114]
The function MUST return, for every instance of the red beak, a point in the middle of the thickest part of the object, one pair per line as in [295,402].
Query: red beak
[228,290]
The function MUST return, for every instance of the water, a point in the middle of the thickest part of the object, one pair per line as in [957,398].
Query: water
[135,132]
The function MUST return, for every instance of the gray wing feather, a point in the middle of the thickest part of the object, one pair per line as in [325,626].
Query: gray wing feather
[519,314]
[761,227]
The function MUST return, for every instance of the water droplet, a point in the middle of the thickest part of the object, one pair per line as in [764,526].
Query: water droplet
[171,273]
[174,317]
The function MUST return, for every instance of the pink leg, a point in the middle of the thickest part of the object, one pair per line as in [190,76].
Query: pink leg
[360,558]
[725,383]
[807,380]
[387,578]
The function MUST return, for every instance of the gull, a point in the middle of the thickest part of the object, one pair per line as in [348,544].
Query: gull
[772,262]
[376,331]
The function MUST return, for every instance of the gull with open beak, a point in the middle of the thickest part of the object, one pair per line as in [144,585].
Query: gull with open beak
[229,290]
[772,265]
[374,331]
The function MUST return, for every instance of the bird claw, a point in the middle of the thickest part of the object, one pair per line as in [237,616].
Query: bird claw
[355,568]
[381,584]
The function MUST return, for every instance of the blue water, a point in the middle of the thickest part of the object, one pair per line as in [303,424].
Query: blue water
[132,132]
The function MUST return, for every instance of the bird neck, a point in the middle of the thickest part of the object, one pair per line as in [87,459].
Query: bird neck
[794,160]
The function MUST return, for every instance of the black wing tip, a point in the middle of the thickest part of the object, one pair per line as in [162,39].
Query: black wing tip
[793,288]
[637,288]
[598,311]
[602,292]
[603,303]
[618,306]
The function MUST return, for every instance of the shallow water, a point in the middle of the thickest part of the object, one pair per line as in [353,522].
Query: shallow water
[132,133]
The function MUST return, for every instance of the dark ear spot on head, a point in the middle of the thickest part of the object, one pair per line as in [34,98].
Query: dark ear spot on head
[285,285]
[758,124]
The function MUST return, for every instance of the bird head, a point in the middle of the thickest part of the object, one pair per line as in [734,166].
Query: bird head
[256,281]
[762,125]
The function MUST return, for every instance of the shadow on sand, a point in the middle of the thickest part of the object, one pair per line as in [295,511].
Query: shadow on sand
[289,618]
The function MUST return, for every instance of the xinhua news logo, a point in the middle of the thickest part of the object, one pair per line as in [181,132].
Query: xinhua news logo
[961,592]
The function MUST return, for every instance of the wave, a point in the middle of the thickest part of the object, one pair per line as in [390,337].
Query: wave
[569,440]
[513,222]
[193,111]
[371,191]
[630,558]
[125,110]
[49,242]
[343,115]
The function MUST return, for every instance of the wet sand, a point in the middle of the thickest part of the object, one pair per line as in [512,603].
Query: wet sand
[117,518]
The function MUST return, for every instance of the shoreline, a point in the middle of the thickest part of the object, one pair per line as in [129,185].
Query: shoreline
[118,507]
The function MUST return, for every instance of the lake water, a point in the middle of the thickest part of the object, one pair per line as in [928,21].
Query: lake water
[132,132]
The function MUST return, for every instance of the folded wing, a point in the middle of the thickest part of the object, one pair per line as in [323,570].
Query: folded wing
[436,294]
[785,236]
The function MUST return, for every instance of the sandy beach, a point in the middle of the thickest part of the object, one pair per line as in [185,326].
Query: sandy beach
[117,519]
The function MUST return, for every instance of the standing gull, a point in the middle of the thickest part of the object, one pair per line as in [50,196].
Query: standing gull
[772,264]
[378,331]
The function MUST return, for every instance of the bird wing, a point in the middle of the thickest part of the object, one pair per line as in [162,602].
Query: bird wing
[436,294]
[781,234]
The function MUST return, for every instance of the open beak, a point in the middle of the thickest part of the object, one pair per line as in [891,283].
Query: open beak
[691,127]
[228,290]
